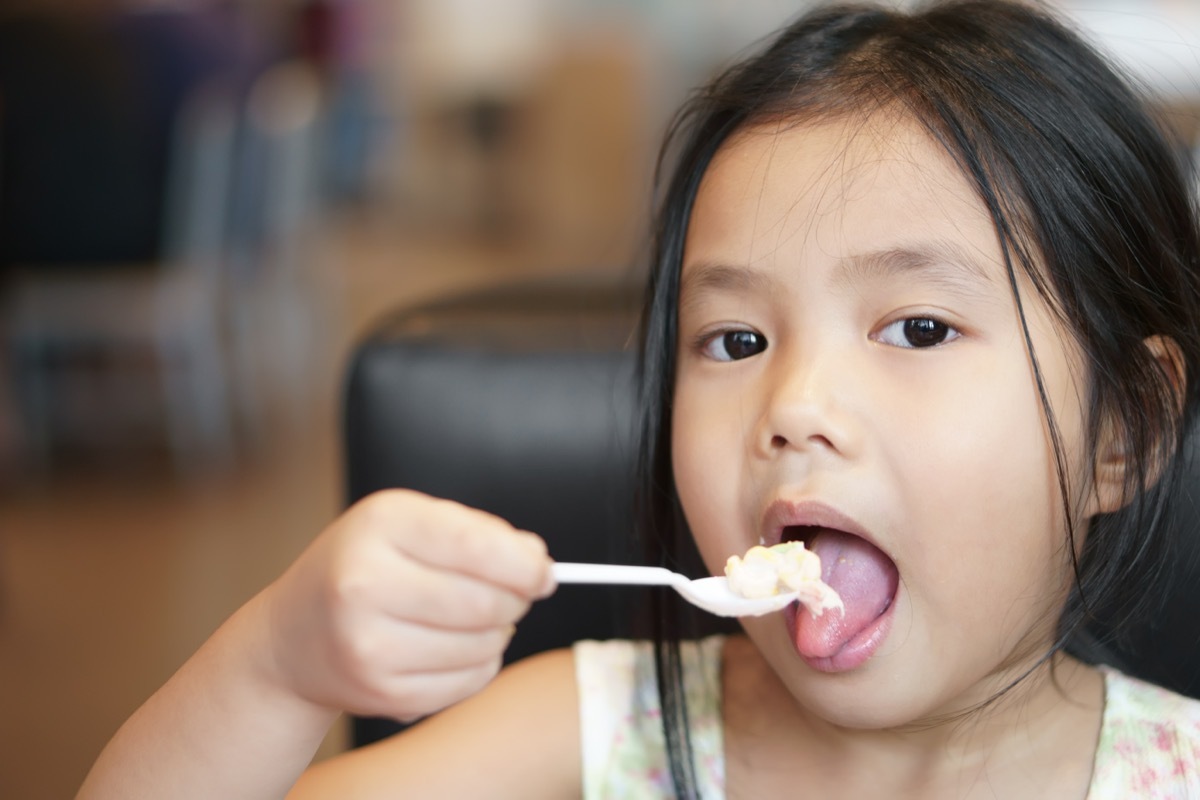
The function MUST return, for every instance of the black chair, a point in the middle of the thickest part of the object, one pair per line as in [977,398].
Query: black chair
[1165,648]
[520,400]
[517,401]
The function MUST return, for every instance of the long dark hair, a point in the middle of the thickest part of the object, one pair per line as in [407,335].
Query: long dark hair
[1090,200]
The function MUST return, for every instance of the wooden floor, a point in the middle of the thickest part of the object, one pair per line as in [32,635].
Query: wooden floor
[111,576]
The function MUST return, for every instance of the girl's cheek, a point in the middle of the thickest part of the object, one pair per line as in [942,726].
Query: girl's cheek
[706,478]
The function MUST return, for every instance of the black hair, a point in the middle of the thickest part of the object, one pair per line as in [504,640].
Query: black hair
[1091,201]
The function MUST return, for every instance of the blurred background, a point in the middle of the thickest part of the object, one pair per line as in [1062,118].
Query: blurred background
[204,204]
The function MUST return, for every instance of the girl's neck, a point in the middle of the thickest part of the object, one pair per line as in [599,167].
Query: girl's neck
[1037,740]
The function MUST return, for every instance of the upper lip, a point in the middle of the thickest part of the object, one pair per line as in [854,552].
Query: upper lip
[783,514]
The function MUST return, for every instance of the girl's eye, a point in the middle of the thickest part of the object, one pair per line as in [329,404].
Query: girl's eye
[916,332]
[734,345]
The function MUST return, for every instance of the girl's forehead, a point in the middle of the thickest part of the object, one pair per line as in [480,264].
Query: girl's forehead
[835,187]
[840,155]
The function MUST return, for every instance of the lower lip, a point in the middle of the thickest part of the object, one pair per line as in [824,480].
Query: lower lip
[855,652]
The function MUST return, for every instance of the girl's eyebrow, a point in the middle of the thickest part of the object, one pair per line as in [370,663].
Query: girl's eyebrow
[943,263]
[707,276]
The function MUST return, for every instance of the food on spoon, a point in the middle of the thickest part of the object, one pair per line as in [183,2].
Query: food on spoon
[782,569]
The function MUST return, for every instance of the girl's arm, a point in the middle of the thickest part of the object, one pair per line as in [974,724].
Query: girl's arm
[220,727]
[401,608]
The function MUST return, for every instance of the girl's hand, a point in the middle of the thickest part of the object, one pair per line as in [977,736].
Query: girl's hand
[403,606]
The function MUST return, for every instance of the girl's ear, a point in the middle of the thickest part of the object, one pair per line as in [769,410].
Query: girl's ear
[1112,460]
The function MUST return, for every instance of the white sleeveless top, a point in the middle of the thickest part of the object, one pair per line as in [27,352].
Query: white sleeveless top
[1149,744]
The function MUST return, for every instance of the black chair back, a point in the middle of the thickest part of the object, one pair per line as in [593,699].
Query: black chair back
[518,401]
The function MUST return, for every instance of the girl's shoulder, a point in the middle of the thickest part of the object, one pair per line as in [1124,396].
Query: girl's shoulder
[519,736]
[1149,741]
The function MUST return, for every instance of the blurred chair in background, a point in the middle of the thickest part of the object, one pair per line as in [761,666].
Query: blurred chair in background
[518,401]
[278,315]
[203,327]
[167,311]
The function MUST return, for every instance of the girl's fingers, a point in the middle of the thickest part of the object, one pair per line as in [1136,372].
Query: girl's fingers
[403,647]
[405,605]
[447,535]
[438,599]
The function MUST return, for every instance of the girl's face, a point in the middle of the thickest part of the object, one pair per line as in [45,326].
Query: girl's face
[852,371]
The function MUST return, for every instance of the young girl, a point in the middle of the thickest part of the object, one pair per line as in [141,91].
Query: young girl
[926,297]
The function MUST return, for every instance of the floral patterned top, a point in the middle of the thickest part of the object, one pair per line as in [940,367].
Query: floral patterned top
[1149,739]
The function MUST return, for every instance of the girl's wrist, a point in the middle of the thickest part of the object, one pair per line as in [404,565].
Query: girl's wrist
[269,672]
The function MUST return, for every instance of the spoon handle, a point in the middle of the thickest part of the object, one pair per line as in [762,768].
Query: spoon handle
[566,572]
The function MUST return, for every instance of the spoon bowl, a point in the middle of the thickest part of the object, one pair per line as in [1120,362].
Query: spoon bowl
[710,594]
[714,596]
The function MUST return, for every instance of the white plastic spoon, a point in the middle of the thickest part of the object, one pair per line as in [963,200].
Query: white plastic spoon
[711,594]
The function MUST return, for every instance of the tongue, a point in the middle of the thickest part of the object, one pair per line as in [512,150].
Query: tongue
[865,579]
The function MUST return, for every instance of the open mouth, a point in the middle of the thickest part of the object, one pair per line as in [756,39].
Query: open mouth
[801,533]
[867,581]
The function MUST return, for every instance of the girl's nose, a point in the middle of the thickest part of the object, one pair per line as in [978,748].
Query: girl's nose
[809,408]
